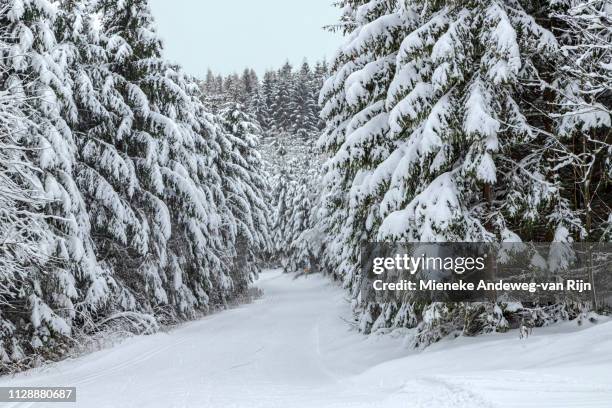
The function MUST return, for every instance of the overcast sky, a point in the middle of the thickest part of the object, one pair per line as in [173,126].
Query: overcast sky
[229,35]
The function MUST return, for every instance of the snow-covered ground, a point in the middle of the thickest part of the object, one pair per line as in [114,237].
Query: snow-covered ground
[292,349]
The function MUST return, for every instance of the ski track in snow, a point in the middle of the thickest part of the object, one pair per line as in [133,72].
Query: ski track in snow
[291,349]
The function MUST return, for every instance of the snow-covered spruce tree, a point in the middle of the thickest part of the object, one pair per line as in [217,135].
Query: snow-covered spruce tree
[259,109]
[321,73]
[22,228]
[209,84]
[283,187]
[245,189]
[213,251]
[246,192]
[291,216]
[269,88]
[295,188]
[234,89]
[250,84]
[435,124]
[298,222]
[35,71]
[105,175]
[281,110]
[167,140]
[468,164]
[285,101]
[212,88]
[303,109]
[353,106]
[583,156]
[303,238]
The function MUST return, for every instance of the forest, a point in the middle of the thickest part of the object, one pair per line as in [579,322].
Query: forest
[135,196]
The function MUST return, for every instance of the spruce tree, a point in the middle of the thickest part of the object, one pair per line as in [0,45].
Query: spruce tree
[583,154]
[23,229]
[234,89]
[281,103]
[281,214]
[34,72]
[246,191]
[209,83]
[173,172]
[249,84]
[105,175]
[269,89]
[259,109]
[353,106]
[431,138]
[303,109]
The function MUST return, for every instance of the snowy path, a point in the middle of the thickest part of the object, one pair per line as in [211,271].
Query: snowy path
[290,349]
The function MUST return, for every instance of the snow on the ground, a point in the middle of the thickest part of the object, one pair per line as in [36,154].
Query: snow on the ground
[292,349]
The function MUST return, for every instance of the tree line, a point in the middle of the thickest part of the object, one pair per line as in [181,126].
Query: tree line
[125,203]
[284,100]
[463,121]
[285,105]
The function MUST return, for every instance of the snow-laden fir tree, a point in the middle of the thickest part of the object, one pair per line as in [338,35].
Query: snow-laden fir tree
[22,226]
[583,155]
[468,163]
[304,239]
[281,100]
[234,89]
[290,219]
[258,107]
[35,71]
[269,89]
[115,210]
[282,186]
[320,75]
[284,101]
[246,192]
[437,127]
[303,108]
[353,106]
[297,239]
[250,83]
[181,263]
[104,174]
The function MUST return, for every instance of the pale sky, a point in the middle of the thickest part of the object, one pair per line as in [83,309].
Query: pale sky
[229,35]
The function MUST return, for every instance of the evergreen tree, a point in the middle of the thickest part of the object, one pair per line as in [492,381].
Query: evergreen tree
[173,171]
[431,139]
[105,176]
[321,72]
[249,84]
[281,104]
[234,89]
[304,239]
[466,151]
[258,108]
[281,214]
[284,101]
[246,189]
[209,86]
[303,109]
[356,127]
[583,154]
[34,72]
[269,89]
[22,226]
[124,202]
